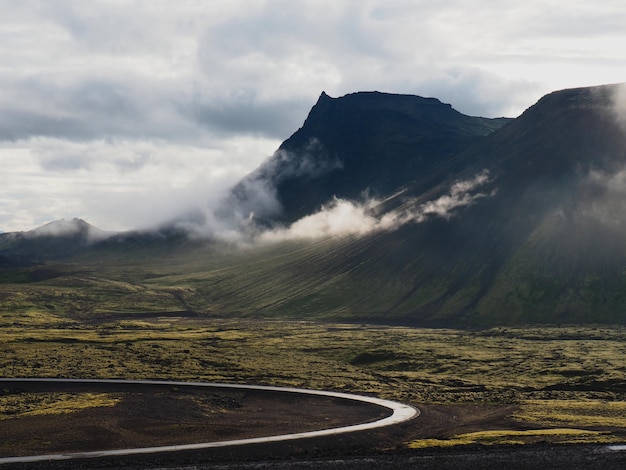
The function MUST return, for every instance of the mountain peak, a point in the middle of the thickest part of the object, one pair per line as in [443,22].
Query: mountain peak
[62,226]
[382,99]
[602,95]
[324,96]
[74,227]
[55,239]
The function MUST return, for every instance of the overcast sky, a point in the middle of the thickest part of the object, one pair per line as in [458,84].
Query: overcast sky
[127,112]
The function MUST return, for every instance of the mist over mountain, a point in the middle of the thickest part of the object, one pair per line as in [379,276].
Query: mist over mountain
[397,208]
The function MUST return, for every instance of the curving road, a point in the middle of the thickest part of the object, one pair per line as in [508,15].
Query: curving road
[400,413]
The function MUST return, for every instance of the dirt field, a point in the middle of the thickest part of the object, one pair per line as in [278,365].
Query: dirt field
[152,416]
[164,415]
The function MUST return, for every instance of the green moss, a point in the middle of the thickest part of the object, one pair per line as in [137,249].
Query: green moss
[508,437]
[14,405]
[585,412]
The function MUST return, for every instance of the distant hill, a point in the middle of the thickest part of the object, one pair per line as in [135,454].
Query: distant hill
[76,239]
[474,221]
[55,239]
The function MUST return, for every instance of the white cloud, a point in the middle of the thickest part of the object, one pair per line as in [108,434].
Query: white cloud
[117,184]
[345,218]
[604,197]
[340,218]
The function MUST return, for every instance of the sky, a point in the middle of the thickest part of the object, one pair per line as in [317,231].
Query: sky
[127,113]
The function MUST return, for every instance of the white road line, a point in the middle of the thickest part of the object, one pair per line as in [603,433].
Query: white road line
[617,447]
[400,414]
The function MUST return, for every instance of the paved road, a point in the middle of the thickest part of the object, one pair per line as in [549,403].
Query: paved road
[400,413]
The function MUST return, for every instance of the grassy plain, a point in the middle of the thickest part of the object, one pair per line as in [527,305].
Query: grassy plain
[181,322]
[559,378]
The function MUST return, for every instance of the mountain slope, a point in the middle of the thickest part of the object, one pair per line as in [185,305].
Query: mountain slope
[522,224]
[548,246]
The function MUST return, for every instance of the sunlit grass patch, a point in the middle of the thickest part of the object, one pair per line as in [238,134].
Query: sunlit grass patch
[15,405]
[32,318]
[501,437]
[592,413]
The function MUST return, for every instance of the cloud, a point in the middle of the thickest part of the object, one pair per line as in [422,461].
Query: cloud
[339,218]
[460,195]
[602,190]
[344,218]
[312,161]
[241,111]
[118,184]
[254,200]
[92,108]
[604,198]
[70,227]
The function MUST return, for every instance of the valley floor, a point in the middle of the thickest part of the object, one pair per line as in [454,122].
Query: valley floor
[482,390]
[151,415]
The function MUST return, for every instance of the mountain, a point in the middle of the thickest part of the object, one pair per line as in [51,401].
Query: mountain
[468,221]
[540,240]
[367,142]
[70,240]
[547,242]
[55,239]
